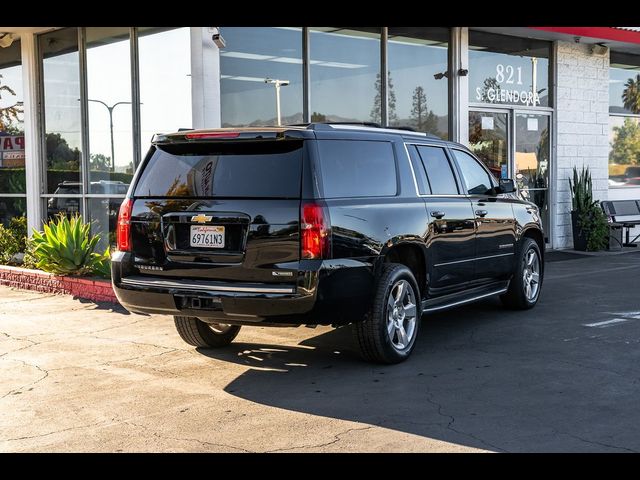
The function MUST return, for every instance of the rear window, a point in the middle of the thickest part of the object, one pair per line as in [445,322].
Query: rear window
[357,168]
[257,169]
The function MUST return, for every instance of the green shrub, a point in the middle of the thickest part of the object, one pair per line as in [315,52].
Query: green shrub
[65,247]
[12,239]
[29,260]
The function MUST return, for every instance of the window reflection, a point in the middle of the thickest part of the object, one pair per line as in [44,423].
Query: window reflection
[488,140]
[418,88]
[12,176]
[61,76]
[109,96]
[624,131]
[165,81]
[251,56]
[345,74]
[508,70]
[103,214]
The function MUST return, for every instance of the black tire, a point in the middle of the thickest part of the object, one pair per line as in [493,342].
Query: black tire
[516,297]
[200,334]
[376,343]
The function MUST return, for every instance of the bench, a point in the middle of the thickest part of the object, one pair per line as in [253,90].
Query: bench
[623,214]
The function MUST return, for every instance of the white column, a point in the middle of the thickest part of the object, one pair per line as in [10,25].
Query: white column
[581,127]
[459,100]
[33,147]
[205,78]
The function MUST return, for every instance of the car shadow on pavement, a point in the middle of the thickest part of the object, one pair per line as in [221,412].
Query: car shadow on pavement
[471,381]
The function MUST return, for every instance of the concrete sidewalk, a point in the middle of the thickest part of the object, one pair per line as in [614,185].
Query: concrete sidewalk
[563,377]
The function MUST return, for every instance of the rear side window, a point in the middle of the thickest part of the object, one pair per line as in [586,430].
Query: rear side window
[256,169]
[357,168]
[439,172]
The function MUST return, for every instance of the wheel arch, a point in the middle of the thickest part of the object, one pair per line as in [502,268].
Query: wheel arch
[412,254]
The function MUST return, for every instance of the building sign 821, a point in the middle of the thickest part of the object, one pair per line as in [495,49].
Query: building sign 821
[507,87]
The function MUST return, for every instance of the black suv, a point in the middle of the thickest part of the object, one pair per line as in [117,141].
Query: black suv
[320,224]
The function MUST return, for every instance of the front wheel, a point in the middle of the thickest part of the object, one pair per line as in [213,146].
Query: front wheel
[200,334]
[389,331]
[524,289]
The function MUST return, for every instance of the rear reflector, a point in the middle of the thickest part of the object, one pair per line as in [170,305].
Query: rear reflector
[315,228]
[124,226]
[203,135]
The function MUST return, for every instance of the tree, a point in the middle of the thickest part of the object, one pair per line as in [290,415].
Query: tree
[625,148]
[59,154]
[376,110]
[100,162]
[11,114]
[318,117]
[490,84]
[631,94]
[425,120]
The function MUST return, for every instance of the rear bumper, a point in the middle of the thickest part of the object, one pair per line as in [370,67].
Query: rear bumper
[326,292]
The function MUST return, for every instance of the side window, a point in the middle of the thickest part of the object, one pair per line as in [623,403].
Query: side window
[438,169]
[418,169]
[357,169]
[476,179]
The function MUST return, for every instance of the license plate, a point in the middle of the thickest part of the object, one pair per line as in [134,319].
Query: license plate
[207,236]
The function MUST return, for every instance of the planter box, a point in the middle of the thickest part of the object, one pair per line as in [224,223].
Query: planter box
[91,288]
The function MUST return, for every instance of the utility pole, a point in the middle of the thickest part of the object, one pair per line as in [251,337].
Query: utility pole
[277,83]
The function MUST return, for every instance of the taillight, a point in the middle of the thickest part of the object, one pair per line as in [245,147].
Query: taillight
[315,228]
[124,226]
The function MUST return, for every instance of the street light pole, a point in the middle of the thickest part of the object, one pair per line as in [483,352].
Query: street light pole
[110,109]
[277,83]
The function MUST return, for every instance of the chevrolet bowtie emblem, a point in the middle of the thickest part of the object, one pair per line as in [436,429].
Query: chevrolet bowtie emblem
[201,218]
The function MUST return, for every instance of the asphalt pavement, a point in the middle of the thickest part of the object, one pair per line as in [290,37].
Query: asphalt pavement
[563,377]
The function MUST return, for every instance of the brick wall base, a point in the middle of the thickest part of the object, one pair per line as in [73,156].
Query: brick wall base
[97,290]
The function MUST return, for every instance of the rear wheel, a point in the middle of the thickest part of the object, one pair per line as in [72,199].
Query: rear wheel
[389,331]
[524,289]
[200,334]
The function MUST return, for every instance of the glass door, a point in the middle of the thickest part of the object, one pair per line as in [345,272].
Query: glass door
[532,160]
[489,139]
[515,143]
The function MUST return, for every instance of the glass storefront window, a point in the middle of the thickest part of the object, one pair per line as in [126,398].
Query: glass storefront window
[109,102]
[624,83]
[12,176]
[508,70]
[345,74]
[418,80]
[624,121]
[165,81]
[624,155]
[251,56]
[103,215]
[61,76]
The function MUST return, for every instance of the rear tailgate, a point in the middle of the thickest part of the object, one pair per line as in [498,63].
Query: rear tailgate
[224,210]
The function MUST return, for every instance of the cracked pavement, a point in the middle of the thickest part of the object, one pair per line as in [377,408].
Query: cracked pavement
[76,376]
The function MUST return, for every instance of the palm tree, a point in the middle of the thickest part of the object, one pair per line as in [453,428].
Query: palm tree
[631,94]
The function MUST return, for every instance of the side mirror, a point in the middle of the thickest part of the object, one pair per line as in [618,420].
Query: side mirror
[507,185]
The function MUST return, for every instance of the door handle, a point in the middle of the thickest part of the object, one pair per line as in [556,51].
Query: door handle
[481,213]
[437,214]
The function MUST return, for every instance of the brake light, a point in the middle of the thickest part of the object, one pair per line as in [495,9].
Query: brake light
[202,135]
[315,228]
[124,226]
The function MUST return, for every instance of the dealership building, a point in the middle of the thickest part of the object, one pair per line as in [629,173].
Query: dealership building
[79,105]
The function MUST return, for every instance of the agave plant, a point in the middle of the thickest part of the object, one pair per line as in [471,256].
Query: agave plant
[66,247]
[581,190]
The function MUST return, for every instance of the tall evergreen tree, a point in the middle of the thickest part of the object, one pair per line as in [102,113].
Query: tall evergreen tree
[376,110]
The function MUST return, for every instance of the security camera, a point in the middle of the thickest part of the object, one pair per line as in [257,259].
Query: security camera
[218,40]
